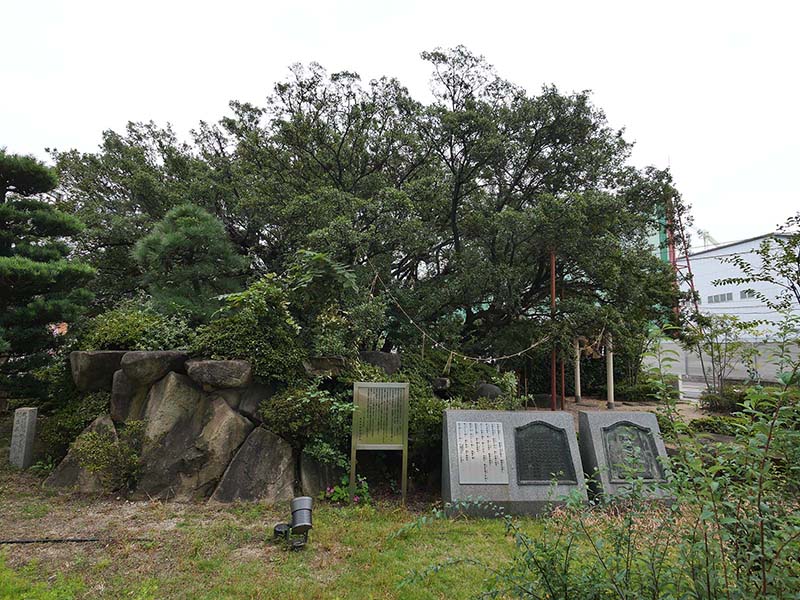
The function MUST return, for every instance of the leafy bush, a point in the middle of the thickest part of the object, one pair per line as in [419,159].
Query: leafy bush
[646,389]
[729,400]
[303,413]
[136,325]
[115,459]
[66,423]
[256,326]
[722,425]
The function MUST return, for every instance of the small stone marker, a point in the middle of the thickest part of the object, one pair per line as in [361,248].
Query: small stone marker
[524,461]
[617,446]
[21,454]
[380,422]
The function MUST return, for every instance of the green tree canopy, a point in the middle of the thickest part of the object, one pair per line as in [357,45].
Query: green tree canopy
[456,203]
[39,284]
[187,261]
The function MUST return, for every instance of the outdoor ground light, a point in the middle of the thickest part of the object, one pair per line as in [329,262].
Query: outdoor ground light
[296,534]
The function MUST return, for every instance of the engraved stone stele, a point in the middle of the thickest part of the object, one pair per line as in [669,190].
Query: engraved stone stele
[524,461]
[21,453]
[617,447]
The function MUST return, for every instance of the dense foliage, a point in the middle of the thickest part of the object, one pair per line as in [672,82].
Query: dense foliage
[456,204]
[135,324]
[187,261]
[39,285]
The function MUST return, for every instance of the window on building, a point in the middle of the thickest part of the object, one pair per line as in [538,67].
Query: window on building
[717,298]
[747,294]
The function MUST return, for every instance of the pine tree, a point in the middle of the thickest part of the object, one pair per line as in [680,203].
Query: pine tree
[188,260]
[39,284]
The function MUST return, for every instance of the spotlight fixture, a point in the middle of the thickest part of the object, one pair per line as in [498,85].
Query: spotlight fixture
[296,534]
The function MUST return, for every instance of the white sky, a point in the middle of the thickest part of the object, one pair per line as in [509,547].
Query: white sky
[708,88]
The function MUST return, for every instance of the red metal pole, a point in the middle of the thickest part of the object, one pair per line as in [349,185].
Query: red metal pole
[553,316]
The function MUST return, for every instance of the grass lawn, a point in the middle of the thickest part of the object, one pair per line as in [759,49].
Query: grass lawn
[224,551]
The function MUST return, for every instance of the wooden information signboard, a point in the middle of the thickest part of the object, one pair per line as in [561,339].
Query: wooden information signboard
[380,422]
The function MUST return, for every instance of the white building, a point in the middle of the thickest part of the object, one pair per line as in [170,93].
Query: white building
[710,265]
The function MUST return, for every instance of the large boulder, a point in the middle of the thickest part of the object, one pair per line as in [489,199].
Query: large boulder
[316,477]
[128,400]
[253,398]
[388,361]
[92,371]
[324,366]
[70,475]
[189,439]
[220,373]
[488,390]
[263,469]
[145,368]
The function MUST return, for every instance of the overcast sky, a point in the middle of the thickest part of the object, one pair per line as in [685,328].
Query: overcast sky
[708,88]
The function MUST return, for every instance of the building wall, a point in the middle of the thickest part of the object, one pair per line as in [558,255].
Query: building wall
[687,365]
[708,266]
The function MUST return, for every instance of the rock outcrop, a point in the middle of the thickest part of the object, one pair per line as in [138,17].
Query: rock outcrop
[70,475]
[200,428]
[92,371]
[189,439]
[316,477]
[220,373]
[488,390]
[263,469]
[388,361]
[145,368]
[324,366]
[128,400]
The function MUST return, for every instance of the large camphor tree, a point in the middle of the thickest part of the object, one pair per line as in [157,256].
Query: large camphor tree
[456,203]
[39,285]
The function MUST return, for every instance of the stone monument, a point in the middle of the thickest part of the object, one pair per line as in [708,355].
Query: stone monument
[523,461]
[21,454]
[617,446]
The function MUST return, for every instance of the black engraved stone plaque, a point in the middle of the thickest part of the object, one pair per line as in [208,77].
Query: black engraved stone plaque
[543,454]
[631,452]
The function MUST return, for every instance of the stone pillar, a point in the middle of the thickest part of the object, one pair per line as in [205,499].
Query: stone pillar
[21,454]
[610,372]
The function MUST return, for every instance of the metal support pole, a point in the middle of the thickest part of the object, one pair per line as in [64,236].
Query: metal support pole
[577,371]
[609,372]
[553,316]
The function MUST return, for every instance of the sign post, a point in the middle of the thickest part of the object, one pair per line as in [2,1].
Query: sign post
[380,422]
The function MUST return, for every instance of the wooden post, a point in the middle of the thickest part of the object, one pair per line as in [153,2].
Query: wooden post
[577,371]
[553,317]
[609,372]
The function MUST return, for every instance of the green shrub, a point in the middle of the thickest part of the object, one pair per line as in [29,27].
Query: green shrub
[647,389]
[465,375]
[66,423]
[299,414]
[256,326]
[136,325]
[730,400]
[722,425]
[115,459]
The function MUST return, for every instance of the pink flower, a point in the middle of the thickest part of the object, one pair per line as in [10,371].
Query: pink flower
[355,499]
